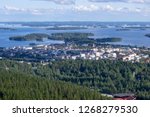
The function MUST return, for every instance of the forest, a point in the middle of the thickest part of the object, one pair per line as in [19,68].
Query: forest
[66,28]
[109,39]
[19,86]
[77,38]
[104,76]
[82,38]
[30,37]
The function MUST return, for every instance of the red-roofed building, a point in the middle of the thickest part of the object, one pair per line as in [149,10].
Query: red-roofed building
[124,96]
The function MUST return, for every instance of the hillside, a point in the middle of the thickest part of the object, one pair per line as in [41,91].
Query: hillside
[108,77]
[18,86]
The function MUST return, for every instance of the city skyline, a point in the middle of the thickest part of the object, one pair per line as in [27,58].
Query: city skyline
[75,10]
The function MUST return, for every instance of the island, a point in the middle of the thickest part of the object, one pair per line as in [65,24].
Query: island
[5,28]
[82,38]
[108,39]
[123,29]
[70,36]
[66,28]
[30,37]
[76,38]
[147,35]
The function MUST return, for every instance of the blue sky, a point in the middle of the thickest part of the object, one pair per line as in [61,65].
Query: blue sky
[74,10]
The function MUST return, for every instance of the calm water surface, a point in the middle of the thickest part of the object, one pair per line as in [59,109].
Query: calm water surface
[134,36]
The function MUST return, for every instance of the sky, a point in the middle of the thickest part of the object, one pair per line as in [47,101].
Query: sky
[75,10]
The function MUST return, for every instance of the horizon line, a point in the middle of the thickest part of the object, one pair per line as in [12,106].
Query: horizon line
[71,21]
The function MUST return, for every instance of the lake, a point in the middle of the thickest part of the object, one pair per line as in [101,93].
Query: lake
[132,33]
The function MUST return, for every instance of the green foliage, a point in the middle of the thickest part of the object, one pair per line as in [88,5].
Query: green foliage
[66,28]
[106,76]
[81,38]
[77,38]
[30,37]
[70,36]
[20,86]
[112,39]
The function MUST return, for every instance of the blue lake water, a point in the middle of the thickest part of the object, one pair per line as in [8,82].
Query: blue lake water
[134,36]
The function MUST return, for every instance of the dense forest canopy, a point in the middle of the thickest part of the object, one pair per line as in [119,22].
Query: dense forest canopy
[108,77]
[19,86]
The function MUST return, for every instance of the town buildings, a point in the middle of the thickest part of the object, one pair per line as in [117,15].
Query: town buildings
[45,53]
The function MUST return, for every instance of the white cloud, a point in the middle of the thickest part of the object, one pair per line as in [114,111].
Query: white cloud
[62,2]
[137,1]
[138,10]
[33,11]
[108,8]
[89,8]
[12,8]
[123,9]
[107,0]
[126,1]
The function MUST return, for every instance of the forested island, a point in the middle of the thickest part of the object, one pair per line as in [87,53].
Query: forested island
[4,28]
[30,37]
[147,35]
[77,38]
[37,81]
[82,38]
[66,28]
[123,29]
[70,36]
[109,39]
